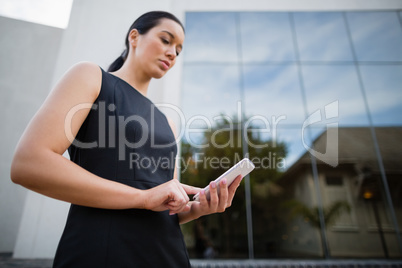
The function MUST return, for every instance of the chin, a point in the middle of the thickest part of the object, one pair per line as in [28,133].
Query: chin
[159,75]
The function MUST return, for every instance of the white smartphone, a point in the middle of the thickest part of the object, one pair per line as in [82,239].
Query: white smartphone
[242,168]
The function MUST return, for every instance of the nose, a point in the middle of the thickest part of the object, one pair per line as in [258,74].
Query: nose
[171,53]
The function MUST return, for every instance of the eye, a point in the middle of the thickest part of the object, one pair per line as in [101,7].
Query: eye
[179,49]
[165,41]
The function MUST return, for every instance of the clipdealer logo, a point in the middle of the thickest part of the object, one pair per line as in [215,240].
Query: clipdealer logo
[116,132]
[331,112]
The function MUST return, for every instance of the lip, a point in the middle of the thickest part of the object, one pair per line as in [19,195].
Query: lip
[165,64]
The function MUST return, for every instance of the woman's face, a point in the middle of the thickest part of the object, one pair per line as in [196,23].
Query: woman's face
[156,51]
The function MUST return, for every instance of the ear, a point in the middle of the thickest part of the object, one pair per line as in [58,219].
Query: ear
[133,37]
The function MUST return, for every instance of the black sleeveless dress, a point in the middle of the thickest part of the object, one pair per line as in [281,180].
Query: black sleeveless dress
[125,138]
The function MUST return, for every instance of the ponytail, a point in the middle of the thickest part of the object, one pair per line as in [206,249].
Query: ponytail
[118,62]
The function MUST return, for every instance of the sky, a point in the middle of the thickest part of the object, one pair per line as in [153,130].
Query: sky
[270,77]
[264,43]
[48,12]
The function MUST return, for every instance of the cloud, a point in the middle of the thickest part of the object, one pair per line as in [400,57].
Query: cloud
[327,83]
[209,90]
[273,32]
[383,86]
[377,36]
[274,91]
[211,37]
[322,36]
[211,75]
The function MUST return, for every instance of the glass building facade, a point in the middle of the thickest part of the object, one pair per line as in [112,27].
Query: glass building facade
[314,99]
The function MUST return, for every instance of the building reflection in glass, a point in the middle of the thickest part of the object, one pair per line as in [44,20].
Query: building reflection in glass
[322,96]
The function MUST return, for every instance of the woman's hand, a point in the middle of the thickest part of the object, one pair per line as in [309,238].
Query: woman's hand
[218,202]
[172,196]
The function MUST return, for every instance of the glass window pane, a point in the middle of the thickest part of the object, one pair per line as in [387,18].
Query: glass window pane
[210,37]
[208,92]
[200,166]
[357,213]
[390,145]
[266,36]
[322,36]
[273,92]
[326,84]
[293,139]
[298,233]
[383,85]
[277,193]
[377,36]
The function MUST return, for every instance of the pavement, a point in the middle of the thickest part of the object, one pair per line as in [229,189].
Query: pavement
[6,261]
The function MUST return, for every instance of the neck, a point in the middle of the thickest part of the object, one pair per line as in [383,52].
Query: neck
[137,80]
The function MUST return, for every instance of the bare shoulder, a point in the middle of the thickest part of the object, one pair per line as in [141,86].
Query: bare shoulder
[84,76]
[85,68]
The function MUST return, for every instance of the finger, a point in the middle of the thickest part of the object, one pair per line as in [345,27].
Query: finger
[213,194]
[233,187]
[203,198]
[174,208]
[223,195]
[176,199]
[171,205]
[186,208]
[183,192]
[191,189]
[179,194]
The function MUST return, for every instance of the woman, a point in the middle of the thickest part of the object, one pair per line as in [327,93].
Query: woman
[126,202]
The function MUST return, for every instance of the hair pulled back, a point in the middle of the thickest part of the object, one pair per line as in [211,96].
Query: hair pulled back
[143,24]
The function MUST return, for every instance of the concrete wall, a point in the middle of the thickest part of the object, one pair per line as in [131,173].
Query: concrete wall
[96,33]
[27,60]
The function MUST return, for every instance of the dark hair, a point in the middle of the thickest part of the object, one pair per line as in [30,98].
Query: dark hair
[143,24]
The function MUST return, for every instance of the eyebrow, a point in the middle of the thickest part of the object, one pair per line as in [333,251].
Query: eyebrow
[172,36]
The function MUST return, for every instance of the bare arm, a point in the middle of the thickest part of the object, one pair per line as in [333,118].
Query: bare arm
[38,163]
